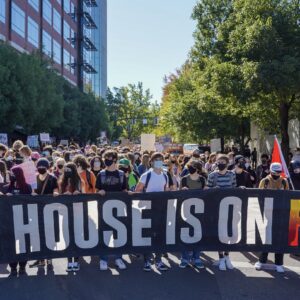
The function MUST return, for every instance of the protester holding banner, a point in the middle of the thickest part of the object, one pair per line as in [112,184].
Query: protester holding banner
[192,181]
[222,178]
[155,180]
[86,176]
[71,184]
[17,186]
[111,180]
[46,185]
[132,178]
[273,181]
[243,178]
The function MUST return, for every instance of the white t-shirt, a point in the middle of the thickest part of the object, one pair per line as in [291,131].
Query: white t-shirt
[156,183]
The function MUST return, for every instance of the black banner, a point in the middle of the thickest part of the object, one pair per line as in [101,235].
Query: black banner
[37,227]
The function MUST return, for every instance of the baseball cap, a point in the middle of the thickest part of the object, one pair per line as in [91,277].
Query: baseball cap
[276,167]
[43,162]
[124,162]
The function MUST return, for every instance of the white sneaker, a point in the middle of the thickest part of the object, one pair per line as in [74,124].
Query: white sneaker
[103,265]
[258,266]
[120,264]
[76,266]
[222,264]
[69,267]
[228,263]
[280,269]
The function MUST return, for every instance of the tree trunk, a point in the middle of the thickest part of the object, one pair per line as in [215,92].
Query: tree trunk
[284,125]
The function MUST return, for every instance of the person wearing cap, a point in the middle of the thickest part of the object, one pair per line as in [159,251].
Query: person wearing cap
[243,178]
[35,156]
[125,166]
[46,185]
[273,181]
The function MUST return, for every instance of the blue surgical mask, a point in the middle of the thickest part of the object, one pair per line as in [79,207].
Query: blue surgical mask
[158,164]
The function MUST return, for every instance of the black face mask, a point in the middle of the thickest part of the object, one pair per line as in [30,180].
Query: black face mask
[242,165]
[42,171]
[263,161]
[108,162]
[275,177]
[222,167]
[124,170]
[192,170]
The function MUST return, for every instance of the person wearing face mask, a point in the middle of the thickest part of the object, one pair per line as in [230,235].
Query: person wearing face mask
[46,185]
[192,181]
[154,180]
[243,178]
[295,174]
[137,157]
[111,180]
[86,176]
[274,181]
[132,178]
[222,178]
[263,170]
[96,165]
[249,169]
[9,158]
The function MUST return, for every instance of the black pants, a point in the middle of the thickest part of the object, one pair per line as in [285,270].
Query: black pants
[147,257]
[222,254]
[278,258]
[14,265]
[70,259]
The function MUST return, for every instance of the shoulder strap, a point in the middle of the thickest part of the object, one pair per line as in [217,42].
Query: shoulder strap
[121,176]
[44,185]
[167,179]
[148,177]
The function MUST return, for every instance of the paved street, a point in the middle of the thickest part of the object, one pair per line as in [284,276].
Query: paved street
[90,283]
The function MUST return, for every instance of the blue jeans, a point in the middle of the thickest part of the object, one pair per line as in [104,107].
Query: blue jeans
[186,256]
[105,258]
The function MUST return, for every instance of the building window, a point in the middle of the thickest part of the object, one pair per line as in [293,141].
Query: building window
[34,4]
[57,21]
[2,11]
[67,60]
[33,32]
[18,20]
[47,43]
[59,2]
[67,5]
[67,30]
[56,52]
[47,11]
[72,32]
[72,62]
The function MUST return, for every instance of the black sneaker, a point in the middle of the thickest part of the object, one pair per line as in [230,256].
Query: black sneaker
[49,264]
[38,264]
[147,266]
[161,266]
[22,270]
[13,272]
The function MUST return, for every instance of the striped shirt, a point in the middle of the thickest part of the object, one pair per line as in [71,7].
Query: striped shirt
[215,179]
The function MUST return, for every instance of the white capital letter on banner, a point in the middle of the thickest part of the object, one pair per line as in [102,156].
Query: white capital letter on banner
[32,228]
[171,222]
[192,220]
[92,208]
[110,220]
[264,223]
[236,220]
[138,223]
[63,223]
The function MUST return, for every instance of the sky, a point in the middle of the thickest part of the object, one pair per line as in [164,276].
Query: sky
[147,39]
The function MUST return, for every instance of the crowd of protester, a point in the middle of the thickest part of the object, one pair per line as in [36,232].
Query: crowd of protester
[72,170]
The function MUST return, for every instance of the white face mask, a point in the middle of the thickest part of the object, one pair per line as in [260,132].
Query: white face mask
[158,164]
[297,171]
[97,165]
[247,165]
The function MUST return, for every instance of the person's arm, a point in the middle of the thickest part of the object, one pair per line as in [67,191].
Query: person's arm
[141,184]
[210,180]
[261,184]
[125,184]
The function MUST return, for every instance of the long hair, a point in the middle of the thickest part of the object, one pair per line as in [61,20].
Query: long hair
[3,169]
[20,180]
[73,179]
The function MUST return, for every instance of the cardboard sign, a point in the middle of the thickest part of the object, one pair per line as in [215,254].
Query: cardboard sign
[148,142]
[33,141]
[45,137]
[215,145]
[29,171]
[64,142]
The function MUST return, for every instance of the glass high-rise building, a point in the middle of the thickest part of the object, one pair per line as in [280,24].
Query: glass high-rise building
[73,33]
